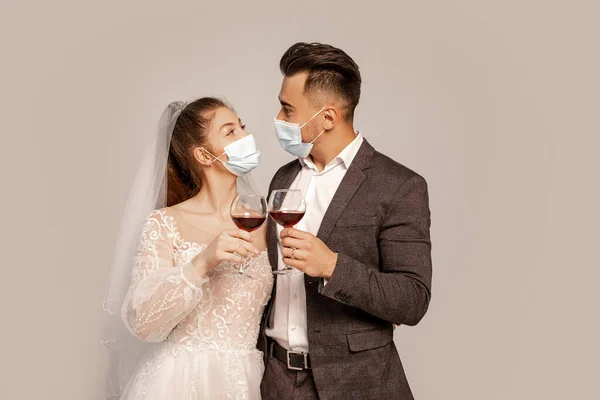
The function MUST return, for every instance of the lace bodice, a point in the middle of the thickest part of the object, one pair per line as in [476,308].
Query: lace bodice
[168,300]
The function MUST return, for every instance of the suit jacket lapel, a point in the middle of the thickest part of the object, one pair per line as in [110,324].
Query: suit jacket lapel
[350,183]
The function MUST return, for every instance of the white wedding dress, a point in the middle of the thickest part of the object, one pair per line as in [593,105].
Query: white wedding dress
[208,327]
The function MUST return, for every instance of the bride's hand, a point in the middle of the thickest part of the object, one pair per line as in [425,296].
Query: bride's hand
[230,245]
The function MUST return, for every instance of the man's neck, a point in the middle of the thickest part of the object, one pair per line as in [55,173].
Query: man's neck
[332,145]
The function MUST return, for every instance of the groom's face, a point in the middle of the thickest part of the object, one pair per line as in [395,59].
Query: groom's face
[297,107]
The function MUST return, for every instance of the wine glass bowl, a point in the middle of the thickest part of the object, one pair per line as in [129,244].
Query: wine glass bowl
[286,207]
[248,212]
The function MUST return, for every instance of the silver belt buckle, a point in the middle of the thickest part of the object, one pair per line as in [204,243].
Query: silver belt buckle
[298,353]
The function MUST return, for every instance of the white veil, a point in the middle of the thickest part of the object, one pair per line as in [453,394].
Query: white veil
[147,194]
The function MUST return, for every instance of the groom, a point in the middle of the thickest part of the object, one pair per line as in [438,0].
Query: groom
[363,244]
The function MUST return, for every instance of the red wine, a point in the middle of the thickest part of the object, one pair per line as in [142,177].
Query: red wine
[287,219]
[248,223]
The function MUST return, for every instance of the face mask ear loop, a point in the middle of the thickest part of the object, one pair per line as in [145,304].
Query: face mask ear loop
[215,158]
[318,136]
[313,117]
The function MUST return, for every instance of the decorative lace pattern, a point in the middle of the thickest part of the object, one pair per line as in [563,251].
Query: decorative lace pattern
[168,301]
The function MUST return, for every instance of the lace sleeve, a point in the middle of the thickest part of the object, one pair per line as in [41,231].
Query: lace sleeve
[161,295]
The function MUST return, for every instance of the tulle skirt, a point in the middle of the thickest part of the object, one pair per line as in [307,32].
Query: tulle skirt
[174,372]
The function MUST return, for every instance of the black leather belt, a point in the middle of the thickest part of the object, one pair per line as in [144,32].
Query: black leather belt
[295,360]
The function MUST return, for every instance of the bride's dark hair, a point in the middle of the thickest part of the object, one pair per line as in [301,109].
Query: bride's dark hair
[183,179]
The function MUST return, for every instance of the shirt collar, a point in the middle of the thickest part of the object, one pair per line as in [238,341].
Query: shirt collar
[345,157]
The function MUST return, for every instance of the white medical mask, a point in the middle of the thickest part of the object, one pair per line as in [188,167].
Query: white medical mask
[289,135]
[243,156]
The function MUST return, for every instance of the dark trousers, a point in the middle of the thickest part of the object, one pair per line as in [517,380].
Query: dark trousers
[281,383]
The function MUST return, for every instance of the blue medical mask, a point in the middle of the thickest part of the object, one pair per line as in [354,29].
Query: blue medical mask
[243,156]
[289,135]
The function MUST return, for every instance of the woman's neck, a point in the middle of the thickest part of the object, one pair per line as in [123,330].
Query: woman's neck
[217,194]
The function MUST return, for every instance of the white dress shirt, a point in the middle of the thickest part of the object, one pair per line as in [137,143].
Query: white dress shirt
[289,325]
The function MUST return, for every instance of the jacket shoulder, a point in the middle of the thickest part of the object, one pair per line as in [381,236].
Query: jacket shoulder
[392,169]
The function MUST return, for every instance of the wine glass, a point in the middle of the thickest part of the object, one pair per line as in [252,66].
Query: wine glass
[248,212]
[287,208]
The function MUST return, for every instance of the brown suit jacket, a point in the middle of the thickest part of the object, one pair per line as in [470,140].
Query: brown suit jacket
[378,222]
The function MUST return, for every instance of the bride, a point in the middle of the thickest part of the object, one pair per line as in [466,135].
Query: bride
[182,323]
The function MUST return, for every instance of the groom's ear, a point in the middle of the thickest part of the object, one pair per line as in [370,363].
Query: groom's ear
[201,155]
[331,117]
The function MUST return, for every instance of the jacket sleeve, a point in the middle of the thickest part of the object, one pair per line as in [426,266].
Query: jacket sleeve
[399,289]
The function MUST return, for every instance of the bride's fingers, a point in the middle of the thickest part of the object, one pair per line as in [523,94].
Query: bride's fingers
[248,247]
[241,247]
[240,250]
[240,234]
[233,257]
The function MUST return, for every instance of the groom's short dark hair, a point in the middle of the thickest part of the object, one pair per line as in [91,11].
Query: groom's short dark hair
[330,71]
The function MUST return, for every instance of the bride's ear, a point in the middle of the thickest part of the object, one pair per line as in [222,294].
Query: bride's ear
[201,155]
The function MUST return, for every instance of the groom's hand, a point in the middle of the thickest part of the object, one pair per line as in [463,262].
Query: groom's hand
[307,253]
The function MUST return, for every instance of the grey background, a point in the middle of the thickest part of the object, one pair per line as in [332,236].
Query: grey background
[495,103]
